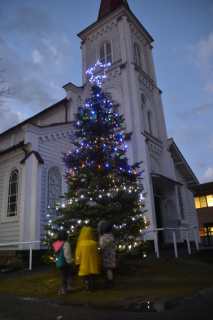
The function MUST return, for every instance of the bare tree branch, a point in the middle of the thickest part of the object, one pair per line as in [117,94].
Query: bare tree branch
[5,91]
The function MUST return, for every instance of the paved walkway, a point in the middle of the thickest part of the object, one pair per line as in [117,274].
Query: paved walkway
[198,307]
[25,272]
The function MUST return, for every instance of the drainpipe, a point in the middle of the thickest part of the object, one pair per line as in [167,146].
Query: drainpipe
[21,143]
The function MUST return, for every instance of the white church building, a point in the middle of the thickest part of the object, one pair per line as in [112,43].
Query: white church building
[31,169]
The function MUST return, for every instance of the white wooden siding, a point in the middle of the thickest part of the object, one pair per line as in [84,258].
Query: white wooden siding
[153,108]
[110,34]
[5,142]
[9,231]
[18,136]
[187,200]
[54,116]
[50,152]
[143,52]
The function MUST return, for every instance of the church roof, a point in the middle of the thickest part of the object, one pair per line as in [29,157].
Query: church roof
[203,189]
[108,6]
[180,161]
[34,117]
[36,154]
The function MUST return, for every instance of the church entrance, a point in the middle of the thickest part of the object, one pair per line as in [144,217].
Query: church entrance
[158,213]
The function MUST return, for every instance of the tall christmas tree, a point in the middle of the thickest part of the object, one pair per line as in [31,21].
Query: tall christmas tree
[102,185]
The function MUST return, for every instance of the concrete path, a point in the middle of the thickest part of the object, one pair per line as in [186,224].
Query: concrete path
[11,308]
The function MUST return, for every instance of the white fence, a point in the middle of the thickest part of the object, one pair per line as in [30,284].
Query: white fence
[155,231]
[21,243]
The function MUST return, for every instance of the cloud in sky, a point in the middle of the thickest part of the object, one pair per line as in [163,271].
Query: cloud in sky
[201,55]
[48,40]
[175,100]
[35,52]
[202,109]
[207,177]
[186,134]
[210,145]
[7,115]
[200,164]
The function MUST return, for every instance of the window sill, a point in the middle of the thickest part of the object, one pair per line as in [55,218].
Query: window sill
[9,219]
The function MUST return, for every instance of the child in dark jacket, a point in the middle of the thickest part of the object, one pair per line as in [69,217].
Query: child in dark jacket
[63,253]
[107,250]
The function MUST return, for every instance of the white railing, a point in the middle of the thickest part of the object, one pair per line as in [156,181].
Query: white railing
[208,234]
[21,243]
[155,231]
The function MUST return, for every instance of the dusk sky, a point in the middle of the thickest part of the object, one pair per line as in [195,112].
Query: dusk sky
[40,52]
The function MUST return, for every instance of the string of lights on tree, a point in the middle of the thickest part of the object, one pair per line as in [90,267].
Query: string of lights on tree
[102,185]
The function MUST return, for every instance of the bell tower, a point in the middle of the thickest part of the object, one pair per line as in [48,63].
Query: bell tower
[119,37]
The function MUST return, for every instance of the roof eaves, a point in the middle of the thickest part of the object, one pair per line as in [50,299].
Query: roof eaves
[17,146]
[184,160]
[36,154]
[125,8]
[30,119]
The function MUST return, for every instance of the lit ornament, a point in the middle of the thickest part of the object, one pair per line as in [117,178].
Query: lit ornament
[99,77]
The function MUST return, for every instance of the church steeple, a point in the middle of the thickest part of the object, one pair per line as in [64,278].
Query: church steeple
[108,6]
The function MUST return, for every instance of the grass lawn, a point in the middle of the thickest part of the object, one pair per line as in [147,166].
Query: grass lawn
[150,280]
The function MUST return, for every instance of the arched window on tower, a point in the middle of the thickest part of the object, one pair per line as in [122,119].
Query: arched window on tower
[54,186]
[143,100]
[106,53]
[137,55]
[109,96]
[149,122]
[12,204]
[148,116]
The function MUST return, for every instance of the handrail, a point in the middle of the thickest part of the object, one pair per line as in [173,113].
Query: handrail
[20,243]
[195,228]
[178,229]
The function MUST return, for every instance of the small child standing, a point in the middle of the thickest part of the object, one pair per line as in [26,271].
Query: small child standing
[63,253]
[87,257]
[107,248]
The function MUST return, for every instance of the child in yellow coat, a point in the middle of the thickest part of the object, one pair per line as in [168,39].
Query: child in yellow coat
[87,257]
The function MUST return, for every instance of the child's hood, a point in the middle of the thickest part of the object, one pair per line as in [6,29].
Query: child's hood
[57,245]
[86,234]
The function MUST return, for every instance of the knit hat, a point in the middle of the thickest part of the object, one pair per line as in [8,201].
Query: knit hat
[104,227]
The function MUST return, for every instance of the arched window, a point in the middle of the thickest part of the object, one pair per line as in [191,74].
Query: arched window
[109,96]
[106,53]
[137,55]
[149,122]
[12,204]
[181,203]
[54,186]
[143,100]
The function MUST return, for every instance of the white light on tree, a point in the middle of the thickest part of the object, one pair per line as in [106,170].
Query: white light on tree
[97,79]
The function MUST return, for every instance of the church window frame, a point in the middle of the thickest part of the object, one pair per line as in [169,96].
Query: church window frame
[181,203]
[149,117]
[4,208]
[137,55]
[105,52]
[13,194]
[54,187]
[115,94]
[148,120]
[143,100]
